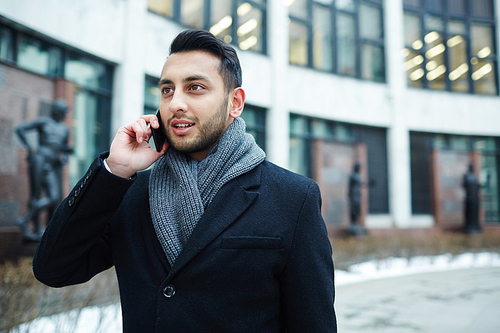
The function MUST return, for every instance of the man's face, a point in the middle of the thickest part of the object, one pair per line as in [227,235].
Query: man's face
[194,102]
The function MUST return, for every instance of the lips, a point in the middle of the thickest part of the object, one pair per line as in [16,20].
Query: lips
[181,126]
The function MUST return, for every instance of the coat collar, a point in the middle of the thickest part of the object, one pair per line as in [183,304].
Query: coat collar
[231,201]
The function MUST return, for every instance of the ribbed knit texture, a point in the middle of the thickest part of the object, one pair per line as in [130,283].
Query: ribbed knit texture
[180,188]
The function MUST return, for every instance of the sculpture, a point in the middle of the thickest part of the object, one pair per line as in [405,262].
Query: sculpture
[355,185]
[45,166]
[471,204]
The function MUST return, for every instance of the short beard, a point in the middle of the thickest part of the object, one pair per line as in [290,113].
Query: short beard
[208,135]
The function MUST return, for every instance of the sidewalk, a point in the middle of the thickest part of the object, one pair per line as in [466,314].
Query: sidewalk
[458,301]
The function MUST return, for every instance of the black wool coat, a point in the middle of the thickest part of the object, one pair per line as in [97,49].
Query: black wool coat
[259,259]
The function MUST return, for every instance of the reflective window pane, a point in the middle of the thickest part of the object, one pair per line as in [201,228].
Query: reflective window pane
[456,7]
[413,3]
[297,8]
[163,7]
[414,68]
[250,36]
[370,22]
[346,44]
[38,57]
[298,44]
[86,72]
[255,119]
[345,5]
[483,67]
[434,60]
[151,95]
[372,62]
[6,40]
[322,38]
[433,23]
[456,27]
[434,6]
[458,64]
[221,20]
[482,8]
[412,31]
[482,41]
[483,76]
[192,13]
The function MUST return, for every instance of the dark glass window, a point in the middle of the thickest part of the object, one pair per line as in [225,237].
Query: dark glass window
[242,23]
[304,129]
[39,57]
[6,44]
[343,36]
[454,50]
[152,95]
[255,119]
[421,147]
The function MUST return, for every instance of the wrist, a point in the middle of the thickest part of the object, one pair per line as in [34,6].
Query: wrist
[118,169]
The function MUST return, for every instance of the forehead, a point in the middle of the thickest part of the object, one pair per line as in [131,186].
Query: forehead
[183,65]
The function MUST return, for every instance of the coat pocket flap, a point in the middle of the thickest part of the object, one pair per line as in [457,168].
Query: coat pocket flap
[251,242]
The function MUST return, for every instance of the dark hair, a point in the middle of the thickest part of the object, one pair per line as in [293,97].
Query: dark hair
[202,40]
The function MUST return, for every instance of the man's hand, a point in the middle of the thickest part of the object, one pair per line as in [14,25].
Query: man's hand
[130,151]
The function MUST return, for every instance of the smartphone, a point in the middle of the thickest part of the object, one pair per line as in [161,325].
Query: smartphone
[159,133]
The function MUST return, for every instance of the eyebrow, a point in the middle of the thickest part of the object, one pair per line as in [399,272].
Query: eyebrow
[188,79]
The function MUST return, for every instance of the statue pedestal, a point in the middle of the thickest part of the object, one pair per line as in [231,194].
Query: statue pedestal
[356,230]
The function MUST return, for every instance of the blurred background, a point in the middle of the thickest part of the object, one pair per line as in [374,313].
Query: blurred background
[406,88]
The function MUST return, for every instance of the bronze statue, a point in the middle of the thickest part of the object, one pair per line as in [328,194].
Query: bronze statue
[471,204]
[45,165]
[355,185]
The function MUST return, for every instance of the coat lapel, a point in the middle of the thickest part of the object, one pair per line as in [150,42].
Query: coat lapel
[229,203]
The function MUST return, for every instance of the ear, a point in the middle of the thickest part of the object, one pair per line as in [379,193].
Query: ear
[237,102]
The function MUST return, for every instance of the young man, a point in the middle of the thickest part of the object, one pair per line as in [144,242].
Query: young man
[213,238]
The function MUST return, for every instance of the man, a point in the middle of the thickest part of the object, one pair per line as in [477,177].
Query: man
[45,165]
[213,238]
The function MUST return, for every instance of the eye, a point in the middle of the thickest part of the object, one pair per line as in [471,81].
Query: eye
[166,90]
[195,87]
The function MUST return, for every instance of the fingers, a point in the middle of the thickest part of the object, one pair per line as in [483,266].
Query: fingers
[151,119]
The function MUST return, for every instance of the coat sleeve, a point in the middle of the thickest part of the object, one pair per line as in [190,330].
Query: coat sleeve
[75,245]
[308,278]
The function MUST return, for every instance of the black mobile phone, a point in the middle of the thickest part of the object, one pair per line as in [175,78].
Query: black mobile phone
[159,133]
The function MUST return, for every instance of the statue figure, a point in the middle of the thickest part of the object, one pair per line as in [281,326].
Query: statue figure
[45,166]
[471,204]
[355,185]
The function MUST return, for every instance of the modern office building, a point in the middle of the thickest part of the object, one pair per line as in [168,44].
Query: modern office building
[407,88]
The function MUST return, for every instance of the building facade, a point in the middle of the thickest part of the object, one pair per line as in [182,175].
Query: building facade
[407,88]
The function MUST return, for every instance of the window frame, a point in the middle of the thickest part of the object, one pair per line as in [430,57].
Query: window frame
[206,17]
[469,21]
[359,41]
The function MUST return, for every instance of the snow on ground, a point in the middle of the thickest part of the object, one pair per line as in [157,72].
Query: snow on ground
[392,267]
[108,318]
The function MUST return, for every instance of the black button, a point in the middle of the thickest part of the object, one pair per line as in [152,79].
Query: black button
[77,191]
[71,201]
[169,291]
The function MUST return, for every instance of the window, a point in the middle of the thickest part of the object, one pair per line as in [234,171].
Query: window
[241,22]
[255,119]
[6,44]
[152,95]
[39,57]
[343,37]
[93,79]
[303,130]
[450,46]
[421,147]
[92,111]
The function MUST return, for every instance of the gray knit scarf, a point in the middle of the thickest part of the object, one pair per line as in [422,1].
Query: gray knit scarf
[181,188]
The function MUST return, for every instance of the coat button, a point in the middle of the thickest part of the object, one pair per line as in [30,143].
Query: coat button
[71,201]
[169,291]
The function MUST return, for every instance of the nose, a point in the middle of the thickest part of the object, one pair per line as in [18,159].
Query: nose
[178,103]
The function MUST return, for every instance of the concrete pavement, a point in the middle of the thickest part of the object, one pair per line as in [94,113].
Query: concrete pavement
[458,301]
